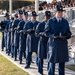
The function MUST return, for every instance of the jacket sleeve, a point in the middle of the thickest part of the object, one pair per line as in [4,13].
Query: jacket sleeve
[19,26]
[38,29]
[68,32]
[26,27]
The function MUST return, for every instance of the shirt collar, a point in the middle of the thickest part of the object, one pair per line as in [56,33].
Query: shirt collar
[58,19]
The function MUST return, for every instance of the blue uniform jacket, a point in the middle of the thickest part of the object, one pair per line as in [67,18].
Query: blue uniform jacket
[42,45]
[58,47]
[32,40]
[16,35]
[22,36]
[7,34]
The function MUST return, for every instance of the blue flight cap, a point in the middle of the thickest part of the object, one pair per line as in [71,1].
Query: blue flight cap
[20,12]
[47,13]
[6,14]
[16,15]
[34,13]
[59,8]
[25,13]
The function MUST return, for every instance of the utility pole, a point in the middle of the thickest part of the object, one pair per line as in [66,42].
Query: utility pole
[10,7]
[37,5]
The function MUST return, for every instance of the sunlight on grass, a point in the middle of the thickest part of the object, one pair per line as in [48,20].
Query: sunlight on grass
[8,68]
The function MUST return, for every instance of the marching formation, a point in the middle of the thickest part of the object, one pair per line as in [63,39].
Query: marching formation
[48,39]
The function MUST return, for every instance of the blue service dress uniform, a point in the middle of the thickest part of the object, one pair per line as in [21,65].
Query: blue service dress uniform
[7,22]
[2,25]
[22,40]
[58,47]
[12,40]
[3,42]
[9,38]
[16,37]
[31,41]
[42,46]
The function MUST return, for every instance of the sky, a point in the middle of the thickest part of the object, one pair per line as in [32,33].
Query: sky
[49,0]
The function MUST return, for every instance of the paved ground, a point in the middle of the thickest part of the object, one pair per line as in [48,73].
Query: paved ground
[33,67]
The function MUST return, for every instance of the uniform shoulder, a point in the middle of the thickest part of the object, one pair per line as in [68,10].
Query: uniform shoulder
[64,20]
[16,20]
[51,20]
[41,23]
[37,21]
[22,21]
[28,22]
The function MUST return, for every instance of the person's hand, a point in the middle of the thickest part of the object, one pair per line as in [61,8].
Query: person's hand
[41,34]
[59,37]
[11,29]
[31,30]
[15,28]
[21,31]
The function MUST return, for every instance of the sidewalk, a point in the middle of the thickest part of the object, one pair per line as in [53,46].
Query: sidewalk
[33,68]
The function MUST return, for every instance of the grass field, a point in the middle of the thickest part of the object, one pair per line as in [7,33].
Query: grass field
[8,68]
[71,67]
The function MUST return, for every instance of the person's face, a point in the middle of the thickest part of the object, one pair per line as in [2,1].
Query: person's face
[59,14]
[47,18]
[12,20]
[20,15]
[25,17]
[33,17]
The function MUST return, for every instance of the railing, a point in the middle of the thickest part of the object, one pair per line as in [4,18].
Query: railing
[72,46]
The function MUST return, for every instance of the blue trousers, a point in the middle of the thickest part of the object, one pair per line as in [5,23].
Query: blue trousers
[28,58]
[9,51]
[12,50]
[21,54]
[40,65]
[51,70]
[15,52]
[3,42]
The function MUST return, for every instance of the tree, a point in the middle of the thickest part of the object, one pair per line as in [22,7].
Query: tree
[16,4]
[54,1]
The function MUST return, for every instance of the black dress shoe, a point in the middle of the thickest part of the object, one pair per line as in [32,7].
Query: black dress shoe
[27,66]
[8,54]
[32,62]
[41,73]
[2,49]
[15,59]
[20,62]
[12,56]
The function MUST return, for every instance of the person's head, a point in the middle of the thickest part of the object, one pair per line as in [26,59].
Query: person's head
[6,16]
[25,15]
[47,15]
[34,15]
[16,16]
[20,14]
[59,11]
[12,19]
